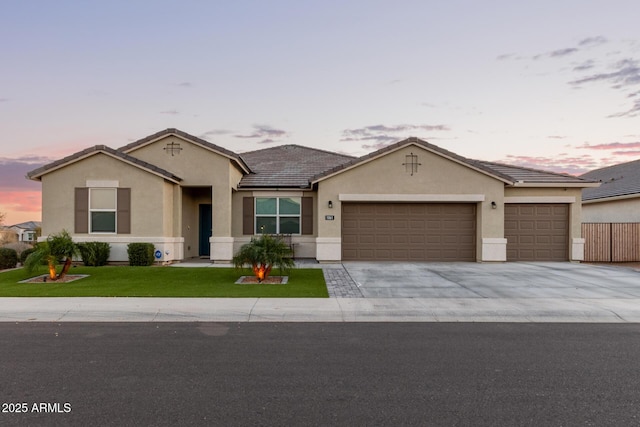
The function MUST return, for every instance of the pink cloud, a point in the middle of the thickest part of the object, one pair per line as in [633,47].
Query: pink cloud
[611,146]
[20,206]
[632,153]
[561,163]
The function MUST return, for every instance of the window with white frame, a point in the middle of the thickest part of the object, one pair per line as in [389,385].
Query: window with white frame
[277,215]
[102,210]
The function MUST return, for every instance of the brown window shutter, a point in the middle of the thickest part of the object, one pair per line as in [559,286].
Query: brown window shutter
[124,211]
[247,215]
[307,215]
[81,211]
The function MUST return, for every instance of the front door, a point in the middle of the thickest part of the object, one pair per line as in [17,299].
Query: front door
[205,230]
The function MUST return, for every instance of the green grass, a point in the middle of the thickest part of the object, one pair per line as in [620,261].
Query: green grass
[114,281]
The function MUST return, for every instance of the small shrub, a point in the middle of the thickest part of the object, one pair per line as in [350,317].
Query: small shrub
[19,247]
[8,258]
[94,254]
[24,254]
[57,246]
[140,254]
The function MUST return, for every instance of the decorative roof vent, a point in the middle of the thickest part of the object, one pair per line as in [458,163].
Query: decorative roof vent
[172,148]
[411,163]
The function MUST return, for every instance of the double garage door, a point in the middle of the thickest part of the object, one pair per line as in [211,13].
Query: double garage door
[409,231]
[447,232]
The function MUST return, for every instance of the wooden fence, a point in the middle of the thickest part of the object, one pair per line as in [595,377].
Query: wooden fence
[611,242]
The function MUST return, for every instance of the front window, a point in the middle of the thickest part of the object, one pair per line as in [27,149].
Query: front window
[278,215]
[102,210]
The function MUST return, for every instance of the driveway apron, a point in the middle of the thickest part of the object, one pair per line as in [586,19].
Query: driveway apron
[489,280]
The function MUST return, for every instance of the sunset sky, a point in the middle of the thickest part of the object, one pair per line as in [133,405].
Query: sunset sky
[548,84]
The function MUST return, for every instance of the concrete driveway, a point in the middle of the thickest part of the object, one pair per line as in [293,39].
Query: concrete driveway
[500,280]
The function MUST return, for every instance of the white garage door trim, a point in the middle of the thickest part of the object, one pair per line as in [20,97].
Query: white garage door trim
[464,198]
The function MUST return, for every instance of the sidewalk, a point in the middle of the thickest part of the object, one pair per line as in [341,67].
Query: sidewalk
[319,310]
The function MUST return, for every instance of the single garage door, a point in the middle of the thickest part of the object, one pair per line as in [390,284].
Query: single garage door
[537,232]
[408,232]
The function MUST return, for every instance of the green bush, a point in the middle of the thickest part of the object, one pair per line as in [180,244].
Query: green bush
[94,254]
[140,254]
[8,258]
[24,254]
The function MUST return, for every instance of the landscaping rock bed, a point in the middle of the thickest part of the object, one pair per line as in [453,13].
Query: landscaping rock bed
[66,279]
[271,280]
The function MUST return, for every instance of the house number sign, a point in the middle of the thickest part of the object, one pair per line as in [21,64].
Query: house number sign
[329,217]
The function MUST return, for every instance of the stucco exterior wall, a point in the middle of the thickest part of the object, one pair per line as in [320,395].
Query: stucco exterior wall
[621,210]
[444,179]
[148,191]
[196,166]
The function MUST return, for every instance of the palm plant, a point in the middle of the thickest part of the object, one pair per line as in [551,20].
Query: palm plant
[56,247]
[263,254]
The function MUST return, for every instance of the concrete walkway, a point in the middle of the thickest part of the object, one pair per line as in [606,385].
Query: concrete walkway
[405,292]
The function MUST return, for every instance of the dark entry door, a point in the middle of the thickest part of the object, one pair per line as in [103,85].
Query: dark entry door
[205,230]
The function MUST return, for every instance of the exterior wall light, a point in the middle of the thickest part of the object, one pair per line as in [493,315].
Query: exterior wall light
[494,205]
[330,204]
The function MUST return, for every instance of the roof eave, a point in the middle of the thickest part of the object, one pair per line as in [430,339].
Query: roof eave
[556,184]
[273,188]
[611,198]
[44,170]
[37,174]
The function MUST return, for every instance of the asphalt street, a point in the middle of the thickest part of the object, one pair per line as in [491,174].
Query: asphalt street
[355,374]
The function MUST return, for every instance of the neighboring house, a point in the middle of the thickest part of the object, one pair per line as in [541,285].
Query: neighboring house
[611,214]
[411,201]
[27,231]
[617,199]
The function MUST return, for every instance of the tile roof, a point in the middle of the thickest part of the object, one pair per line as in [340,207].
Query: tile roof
[199,141]
[288,166]
[29,225]
[617,180]
[529,175]
[37,173]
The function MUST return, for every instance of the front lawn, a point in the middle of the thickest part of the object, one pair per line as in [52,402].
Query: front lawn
[115,281]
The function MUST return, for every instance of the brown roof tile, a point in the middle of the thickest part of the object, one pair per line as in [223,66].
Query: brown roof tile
[288,166]
[618,180]
[529,175]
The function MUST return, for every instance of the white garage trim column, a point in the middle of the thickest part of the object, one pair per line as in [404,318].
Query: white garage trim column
[221,249]
[328,249]
[494,249]
[577,249]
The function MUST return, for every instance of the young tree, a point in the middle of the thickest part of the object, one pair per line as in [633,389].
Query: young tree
[263,254]
[3,238]
[56,247]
